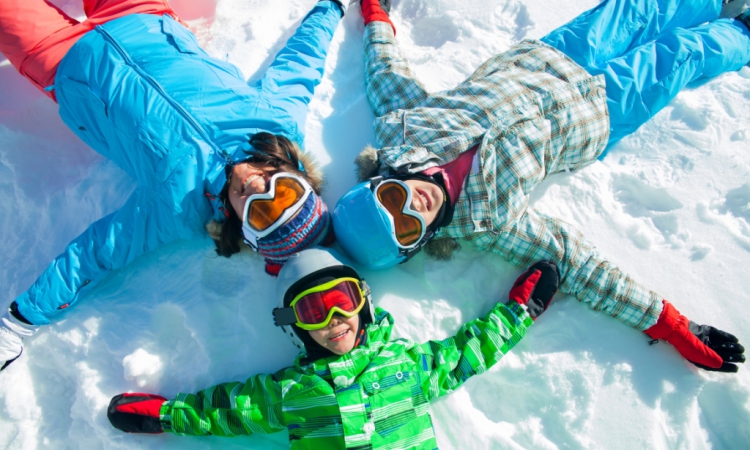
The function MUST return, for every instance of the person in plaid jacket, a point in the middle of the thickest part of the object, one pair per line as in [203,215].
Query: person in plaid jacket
[467,159]
[351,386]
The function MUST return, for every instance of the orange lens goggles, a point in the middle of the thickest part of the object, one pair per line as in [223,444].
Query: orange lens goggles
[409,225]
[267,211]
[264,212]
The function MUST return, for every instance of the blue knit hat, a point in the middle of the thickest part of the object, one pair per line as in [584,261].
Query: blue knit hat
[309,228]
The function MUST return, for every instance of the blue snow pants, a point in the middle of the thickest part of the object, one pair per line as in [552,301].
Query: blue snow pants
[648,50]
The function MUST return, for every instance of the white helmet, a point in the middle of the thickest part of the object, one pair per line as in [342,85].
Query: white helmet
[307,268]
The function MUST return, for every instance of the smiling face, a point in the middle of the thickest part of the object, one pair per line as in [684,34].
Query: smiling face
[248,178]
[427,199]
[339,336]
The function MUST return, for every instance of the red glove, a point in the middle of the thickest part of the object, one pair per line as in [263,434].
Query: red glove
[705,346]
[136,413]
[377,11]
[535,288]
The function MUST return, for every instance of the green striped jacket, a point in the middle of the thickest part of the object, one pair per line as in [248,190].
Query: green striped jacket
[533,112]
[375,397]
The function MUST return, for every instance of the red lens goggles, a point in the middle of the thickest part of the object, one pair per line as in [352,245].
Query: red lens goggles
[314,307]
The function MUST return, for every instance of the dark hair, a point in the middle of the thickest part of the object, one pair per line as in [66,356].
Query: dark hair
[273,150]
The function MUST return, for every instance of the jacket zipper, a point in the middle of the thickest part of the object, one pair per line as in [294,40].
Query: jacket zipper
[185,115]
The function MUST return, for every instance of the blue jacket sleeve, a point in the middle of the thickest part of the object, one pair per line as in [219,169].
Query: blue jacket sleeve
[83,263]
[146,221]
[298,68]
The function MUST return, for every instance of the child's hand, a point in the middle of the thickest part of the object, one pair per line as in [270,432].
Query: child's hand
[136,413]
[536,287]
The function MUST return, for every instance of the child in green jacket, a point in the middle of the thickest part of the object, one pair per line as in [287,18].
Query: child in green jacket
[351,386]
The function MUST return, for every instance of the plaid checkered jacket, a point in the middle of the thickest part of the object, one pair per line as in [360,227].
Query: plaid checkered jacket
[374,397]
[533,112]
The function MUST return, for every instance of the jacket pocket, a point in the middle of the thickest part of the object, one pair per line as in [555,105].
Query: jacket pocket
[83,112]
[392,401]
[164,150]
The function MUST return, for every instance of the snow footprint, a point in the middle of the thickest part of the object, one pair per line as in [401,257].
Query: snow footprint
[436,31]
[731,211]
[696,119]
[434,25]
[640,200]
[737,203]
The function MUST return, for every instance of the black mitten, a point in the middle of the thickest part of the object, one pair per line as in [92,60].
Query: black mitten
[136,413]
[536,287]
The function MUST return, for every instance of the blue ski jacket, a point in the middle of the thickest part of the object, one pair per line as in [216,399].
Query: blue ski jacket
[141,91]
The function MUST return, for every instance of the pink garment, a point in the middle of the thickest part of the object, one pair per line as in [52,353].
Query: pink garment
[455,172]
[35,35]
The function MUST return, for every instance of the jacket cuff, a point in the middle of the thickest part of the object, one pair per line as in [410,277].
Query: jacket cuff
[666,323]
[165,417]
[521,313]
[338,3]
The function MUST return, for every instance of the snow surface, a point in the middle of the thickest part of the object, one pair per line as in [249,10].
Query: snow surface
[670,205]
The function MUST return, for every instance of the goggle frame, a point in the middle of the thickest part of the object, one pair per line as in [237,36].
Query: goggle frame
[362,288]
[375,184]
[251,235]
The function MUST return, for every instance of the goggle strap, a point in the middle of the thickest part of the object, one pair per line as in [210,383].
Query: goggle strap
[375,181]
[284,316]
[417,248]
[252,242]
[365,288]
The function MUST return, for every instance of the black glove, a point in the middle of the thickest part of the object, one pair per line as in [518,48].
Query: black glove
[536,287]
[724,344]
[136,413]
[341,4]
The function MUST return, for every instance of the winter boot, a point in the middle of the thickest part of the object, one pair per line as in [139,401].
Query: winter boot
[13,330]
[733,8]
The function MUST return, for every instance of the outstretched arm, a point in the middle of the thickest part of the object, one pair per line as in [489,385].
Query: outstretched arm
[147,220]
[390,84]
[228,409]
[602,286]
[477,346]
[584,274]
[291,79]
[104,246]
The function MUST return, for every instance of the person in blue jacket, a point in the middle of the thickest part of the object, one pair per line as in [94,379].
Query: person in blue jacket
[207,149]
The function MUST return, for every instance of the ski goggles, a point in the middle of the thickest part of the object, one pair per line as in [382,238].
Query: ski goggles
[265,212]
[408,227]
[314,308]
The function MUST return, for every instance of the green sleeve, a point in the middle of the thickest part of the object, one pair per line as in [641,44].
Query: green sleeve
[228,409]
[477,346]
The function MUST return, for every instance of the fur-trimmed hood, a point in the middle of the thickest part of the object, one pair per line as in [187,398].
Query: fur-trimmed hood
[312,170]
[367,164]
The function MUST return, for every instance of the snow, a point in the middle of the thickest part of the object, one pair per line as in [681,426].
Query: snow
[670,205]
